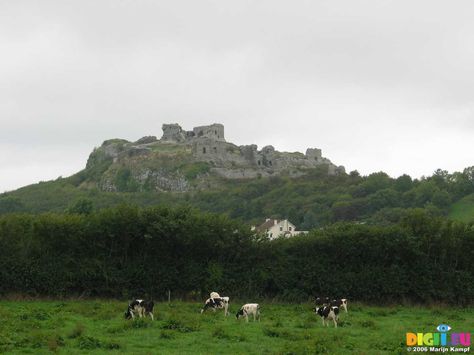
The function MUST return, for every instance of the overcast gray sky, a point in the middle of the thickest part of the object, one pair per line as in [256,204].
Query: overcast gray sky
[377,85]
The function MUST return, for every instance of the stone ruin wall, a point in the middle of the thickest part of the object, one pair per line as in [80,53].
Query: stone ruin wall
[174,133]
[209,145]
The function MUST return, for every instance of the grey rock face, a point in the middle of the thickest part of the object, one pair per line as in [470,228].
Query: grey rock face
[146,140]
[163,180]
[173,132]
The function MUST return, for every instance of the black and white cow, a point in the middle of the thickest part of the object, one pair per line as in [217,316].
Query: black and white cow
[325,301]
[340,303]
[249,309]
[215,303]
[328,313]
[141,308]
[321,301]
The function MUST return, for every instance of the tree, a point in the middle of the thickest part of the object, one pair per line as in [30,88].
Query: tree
[82,206]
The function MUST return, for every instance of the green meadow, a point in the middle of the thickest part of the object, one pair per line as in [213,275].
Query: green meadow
[98,327]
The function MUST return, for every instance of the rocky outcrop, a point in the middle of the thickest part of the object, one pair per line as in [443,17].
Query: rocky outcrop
[147,140]
[182,160]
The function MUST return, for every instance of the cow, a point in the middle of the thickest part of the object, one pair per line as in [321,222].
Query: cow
[339,302]
[217,303]
[321,301]
[249,308]
[141,308]
[326,301]
[328,313]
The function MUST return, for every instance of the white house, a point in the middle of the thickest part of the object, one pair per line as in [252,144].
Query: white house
[274,228]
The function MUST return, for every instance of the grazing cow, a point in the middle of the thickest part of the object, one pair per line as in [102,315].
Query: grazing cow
[340,302]
[141,308]
[217,303]
[249,308]
[321,301]
[325,301]
[327,313]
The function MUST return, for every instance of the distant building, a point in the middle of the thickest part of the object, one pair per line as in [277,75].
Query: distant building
[274,228]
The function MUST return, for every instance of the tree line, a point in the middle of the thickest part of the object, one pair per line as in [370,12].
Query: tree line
[128,251]
[310,201]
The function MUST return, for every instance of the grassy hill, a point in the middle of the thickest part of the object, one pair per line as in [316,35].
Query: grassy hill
[309,201]
[157,173]
[463,210]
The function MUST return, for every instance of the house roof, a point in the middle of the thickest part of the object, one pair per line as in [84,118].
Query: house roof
[265,225]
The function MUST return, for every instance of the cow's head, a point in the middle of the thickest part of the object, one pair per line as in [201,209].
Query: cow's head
[319,310]
[240,313]
[210,303]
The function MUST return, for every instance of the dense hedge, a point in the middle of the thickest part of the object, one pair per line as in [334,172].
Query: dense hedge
[127,251]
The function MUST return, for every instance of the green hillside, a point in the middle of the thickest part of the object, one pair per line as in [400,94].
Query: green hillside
[309,201]
[307,189]
[463,210]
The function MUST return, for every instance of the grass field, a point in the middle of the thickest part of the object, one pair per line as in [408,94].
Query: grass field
[98,327]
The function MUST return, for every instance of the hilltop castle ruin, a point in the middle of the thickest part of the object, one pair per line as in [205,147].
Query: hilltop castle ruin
[184,160]
[231,161]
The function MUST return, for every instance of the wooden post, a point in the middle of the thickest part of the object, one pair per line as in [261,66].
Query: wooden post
[169,297]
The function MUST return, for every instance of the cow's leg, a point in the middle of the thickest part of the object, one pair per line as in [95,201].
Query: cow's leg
[151,315]
[226,307]
[247,317]
[322,318]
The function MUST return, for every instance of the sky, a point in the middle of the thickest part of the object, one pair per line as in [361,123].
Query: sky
[377,85]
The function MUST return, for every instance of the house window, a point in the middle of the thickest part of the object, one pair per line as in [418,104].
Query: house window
[270,162]
[215,132]
[289,228]
[281,229]
[215,149]
[258,162]
[271,235]
[204,150]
